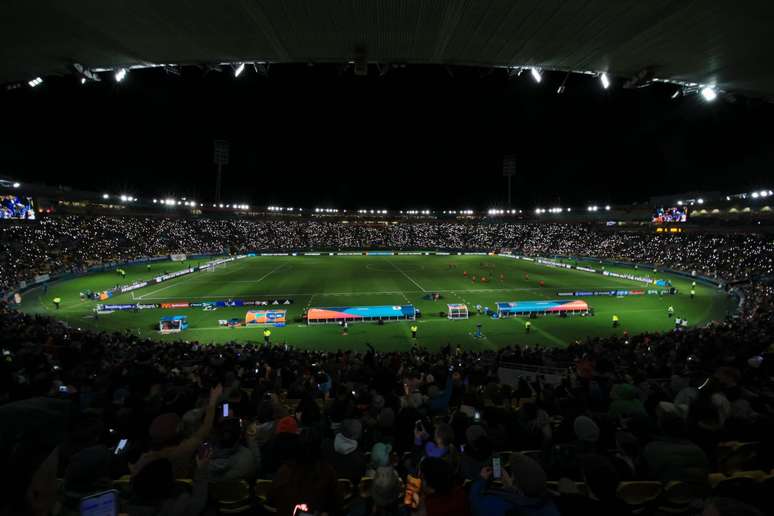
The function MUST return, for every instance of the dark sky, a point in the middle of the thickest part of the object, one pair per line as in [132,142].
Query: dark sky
[417,137]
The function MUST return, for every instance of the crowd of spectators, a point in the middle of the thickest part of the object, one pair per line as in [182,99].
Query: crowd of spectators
[652,407]
[55,244]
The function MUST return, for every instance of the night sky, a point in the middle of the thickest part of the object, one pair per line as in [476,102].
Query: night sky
[423,136]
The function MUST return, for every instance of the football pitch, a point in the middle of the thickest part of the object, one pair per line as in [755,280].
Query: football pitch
[340,281]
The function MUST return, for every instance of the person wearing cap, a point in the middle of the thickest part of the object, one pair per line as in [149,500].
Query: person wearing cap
[524,491]
[344,453]
[166,440]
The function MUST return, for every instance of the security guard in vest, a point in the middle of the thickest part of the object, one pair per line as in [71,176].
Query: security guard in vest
[57,302]
[266,336]
[670,311]
[414,331]
[615,320]
[527,326]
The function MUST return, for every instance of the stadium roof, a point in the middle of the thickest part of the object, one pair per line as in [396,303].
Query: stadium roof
[719,42]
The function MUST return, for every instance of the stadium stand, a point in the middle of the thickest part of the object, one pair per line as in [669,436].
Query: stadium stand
[655,423]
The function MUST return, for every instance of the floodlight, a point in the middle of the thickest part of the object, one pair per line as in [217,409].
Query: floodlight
[34,82]
[536,74]
[120,74]
[605,80]
[709,93]
[239,69]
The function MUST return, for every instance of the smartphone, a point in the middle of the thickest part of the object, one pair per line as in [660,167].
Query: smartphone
[100,504]
[225,410]
[497,471]
[202,452]
[477,416]
[121,446]
[413,486]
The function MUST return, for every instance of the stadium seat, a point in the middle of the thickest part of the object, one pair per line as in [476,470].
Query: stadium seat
[680,497]
[639,493]
[553,486]
[364,486]
[345,488]
[124,486]
[735,456]
[233,497]
[262,487]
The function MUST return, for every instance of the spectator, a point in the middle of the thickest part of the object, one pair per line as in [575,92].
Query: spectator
[523,492]
[155,492]
[230,460]
[440,495]
[343,451]
[671,456]
[306,480]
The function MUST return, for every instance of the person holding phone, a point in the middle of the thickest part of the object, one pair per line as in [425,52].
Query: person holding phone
[166,440]
[523,490]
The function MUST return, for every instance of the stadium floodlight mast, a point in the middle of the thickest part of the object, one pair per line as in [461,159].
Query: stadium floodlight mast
[16,184]
[35,82]
[536,74]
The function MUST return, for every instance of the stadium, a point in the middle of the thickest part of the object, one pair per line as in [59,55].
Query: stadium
[386,258]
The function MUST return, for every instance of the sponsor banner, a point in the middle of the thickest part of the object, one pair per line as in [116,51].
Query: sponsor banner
[113,308]
[40,278]
[176,274]
[439,253]
[585,269]
[662,292]
[311,254]
[412,253]
[474,254]
[347,254]
[275,254]
[627,276]
[379,253]
[147,306]
[178,257]
[590,293]
[135,286]
[266,317]
[175,305]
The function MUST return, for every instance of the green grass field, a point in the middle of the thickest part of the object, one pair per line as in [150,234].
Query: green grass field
[325,281]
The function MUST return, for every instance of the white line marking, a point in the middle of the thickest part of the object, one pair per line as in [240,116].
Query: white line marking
[275,269]
[407,276]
